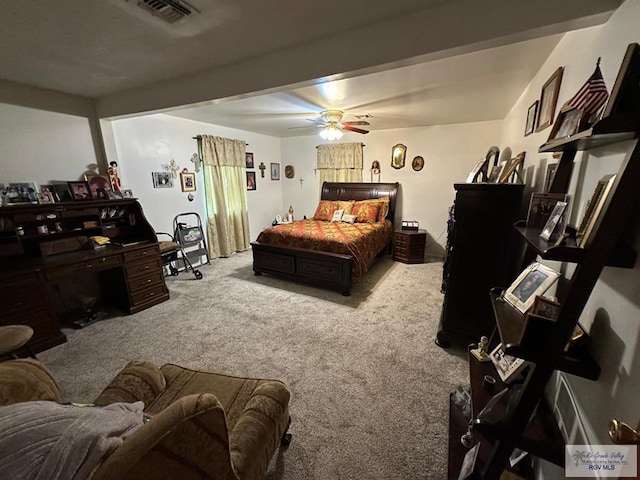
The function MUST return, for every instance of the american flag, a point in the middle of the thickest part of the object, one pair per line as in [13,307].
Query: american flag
[592,95]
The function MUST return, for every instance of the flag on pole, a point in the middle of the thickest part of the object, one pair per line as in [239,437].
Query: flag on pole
[592,95]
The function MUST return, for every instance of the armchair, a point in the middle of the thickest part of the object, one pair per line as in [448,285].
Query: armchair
[203,425]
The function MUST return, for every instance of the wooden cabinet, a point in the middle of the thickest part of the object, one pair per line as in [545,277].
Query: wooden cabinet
[408,245]
[46,257]
[479,255]
[513,423]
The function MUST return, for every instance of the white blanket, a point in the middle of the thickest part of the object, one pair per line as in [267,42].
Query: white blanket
[46,440]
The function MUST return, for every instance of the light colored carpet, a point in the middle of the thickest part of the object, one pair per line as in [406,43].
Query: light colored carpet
[369,386]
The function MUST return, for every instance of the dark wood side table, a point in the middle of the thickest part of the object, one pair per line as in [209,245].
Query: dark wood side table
[408,245]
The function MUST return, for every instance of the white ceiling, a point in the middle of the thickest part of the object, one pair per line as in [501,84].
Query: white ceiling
[266,66]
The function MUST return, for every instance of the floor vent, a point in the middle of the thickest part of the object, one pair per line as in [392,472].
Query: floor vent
[169,11]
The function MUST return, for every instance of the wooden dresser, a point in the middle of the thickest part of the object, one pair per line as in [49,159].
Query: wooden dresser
[43,274]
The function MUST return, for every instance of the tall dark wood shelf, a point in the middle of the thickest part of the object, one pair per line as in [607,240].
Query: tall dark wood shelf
[543,342]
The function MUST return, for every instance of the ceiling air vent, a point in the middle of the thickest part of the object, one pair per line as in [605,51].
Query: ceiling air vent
[168,10]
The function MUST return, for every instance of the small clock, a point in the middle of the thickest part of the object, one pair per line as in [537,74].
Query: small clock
[289,171]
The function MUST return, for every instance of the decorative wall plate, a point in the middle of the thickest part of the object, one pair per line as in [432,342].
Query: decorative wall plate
[289,171]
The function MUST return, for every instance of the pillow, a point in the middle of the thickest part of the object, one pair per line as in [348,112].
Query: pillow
[384,207]
[337,215]
[325,210]
[366,212]
[347,206]
[347,218]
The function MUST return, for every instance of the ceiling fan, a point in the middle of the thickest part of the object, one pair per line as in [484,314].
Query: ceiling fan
[332,125]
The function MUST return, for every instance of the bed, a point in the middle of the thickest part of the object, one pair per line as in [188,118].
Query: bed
[315,258]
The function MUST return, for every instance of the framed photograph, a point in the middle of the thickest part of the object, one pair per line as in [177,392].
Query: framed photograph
[480,169]
[127,193]
[162,179]
[534,280]
[80,190]
[496,170]
[508,367]
[553,221]
[418,163]
[548,100]
[45,197]
[17,193]
[512,168]
[569,122]
[251,180]
[540,208]
[595,206]
[188,181]
[289,171]
[99,185]
[275,171]
[531,119]
[52,190]
[248,160]
[113,195]
[549,175]
[545,307]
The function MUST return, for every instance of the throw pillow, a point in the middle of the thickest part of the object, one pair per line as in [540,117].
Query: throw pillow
[347,218]
[384,207]
[325,210]
[337,215]
[347,206]
[366,212]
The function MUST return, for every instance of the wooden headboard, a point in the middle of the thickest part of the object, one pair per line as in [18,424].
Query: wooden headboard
[362,191]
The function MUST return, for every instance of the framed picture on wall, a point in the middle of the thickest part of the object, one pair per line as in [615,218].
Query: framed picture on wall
[549,99]
[275,171]
[248,160]
[162,179]
[188,181]
[531,118]
[251,180]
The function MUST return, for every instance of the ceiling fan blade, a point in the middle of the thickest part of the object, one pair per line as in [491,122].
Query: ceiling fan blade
[306,126]
[319,122]
[360,122]
[354,129]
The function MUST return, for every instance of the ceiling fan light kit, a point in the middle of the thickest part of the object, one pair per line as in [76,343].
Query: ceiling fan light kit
[334,127]
[331,132]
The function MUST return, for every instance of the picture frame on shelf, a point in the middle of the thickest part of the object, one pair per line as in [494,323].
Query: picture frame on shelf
[481,169]
[248,160]
[569,122]
[512,168]
[545,307]
[541,206]
[80,190]
[20,193]
[532,281]
[188,181]
[127,193]
[494,174]
[549,99]
[52,190]
[554,220]
[113,195]
[251,180]
[594,208]
[532,113]
[162,179]
[275,171]
[45,197]
[99,185]
[508,367]
[625,95]
[549,175]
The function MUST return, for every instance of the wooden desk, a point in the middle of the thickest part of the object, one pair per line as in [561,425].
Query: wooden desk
[32,278]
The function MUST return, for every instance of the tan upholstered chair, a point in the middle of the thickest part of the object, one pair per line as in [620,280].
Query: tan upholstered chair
[203,425]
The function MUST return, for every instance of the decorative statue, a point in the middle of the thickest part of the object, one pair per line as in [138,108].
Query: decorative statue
[114,176]
[481,352]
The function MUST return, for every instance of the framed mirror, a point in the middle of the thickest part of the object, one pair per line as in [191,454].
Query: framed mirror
[398,155]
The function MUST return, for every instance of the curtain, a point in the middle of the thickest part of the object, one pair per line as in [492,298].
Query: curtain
[223,161]
[340,162]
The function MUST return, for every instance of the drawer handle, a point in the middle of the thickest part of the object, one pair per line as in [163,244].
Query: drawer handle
[103,259]
[148,281]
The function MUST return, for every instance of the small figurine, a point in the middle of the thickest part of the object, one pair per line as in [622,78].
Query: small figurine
[481,352]
[290,216]
[114,176]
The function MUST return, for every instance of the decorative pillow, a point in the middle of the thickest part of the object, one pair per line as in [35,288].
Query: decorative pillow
[347,206]
[384,207]
[337,215]
[325,210]
[366,212]
[347,218]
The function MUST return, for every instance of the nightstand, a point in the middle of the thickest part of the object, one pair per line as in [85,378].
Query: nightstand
[408,245]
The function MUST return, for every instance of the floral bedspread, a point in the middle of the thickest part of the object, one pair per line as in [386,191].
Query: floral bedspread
[363,241]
